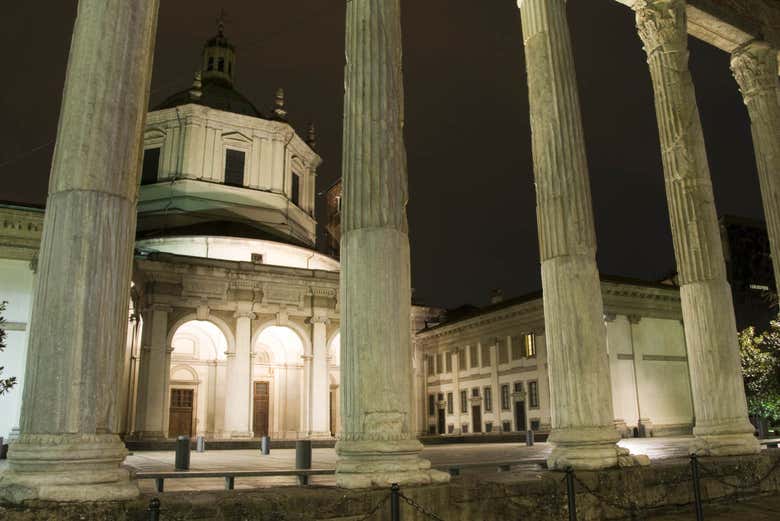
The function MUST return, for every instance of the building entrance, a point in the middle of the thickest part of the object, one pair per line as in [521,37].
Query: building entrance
[520,424]
[441,421]
[180,419]
[260,416]
[476,418]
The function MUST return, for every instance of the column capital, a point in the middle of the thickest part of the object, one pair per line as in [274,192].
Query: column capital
[662,23]
[319,319]
[754,66]
[609,317]
[244,314]
[634,319]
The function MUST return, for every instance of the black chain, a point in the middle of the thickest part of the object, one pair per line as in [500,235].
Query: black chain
[737,486]
[418,507]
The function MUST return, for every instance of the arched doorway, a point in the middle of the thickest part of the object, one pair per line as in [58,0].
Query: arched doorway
[197,366]
[278,383]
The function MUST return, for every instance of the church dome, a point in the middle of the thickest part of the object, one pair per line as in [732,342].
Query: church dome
[214,85]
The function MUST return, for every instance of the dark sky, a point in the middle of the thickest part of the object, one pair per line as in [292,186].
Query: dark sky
[471,209]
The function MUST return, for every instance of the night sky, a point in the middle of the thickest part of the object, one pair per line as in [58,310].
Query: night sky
[471,210]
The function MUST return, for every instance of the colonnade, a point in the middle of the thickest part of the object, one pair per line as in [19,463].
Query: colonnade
[152,409]
[69,449]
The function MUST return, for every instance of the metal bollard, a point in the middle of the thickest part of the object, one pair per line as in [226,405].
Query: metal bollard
[696,487]
[182,453]
[303,459]
[200,443]
[570,494]
[529,438]
[395,504]
[154,510]
[265,445]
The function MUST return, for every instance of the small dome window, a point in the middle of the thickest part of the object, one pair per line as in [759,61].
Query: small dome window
[210,66]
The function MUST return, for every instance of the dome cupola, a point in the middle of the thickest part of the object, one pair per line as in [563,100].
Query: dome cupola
[219,57]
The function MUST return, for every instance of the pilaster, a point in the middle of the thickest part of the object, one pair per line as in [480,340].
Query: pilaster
[319,381]
[722,427]
[238,400]
[583,434]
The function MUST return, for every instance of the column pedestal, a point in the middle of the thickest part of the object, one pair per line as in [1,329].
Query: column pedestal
[722,426]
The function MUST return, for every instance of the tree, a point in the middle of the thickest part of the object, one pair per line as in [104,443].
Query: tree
[760,357]
[5,383]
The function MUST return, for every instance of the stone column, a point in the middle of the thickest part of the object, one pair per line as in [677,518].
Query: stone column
[69,449]
[456,392]
[722,426]
[376,447]
[755,68]
[583,434]
[239,371]
[154,374]
[320,382]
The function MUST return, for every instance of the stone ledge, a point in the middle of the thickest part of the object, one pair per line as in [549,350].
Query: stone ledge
[532,496]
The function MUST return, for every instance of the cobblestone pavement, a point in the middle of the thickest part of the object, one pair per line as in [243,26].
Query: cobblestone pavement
[441,456]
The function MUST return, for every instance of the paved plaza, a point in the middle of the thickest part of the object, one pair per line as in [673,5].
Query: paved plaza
[523,458]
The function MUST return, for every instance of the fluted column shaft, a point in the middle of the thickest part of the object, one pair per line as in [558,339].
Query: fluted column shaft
[239,377]
[376,446]
[69,448]
[722,426]
[583,434]
[755,68]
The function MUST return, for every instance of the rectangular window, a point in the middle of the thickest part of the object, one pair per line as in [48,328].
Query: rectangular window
[518,387]
[429,363]
[462,359]
[475,392]
[448,361]
[464,401]
[450,428]
[533,395]
[503,352]
[431,405]
[439,363]
[473,357]
[464,428]
[440,397]
[485,355]
[296,189]
[234,167]
[530,345]
[431,429]
[535,424]
[488,399]
[505,397]
[151,166]
[450,404]
[488,426]
[507,426]
[517,347]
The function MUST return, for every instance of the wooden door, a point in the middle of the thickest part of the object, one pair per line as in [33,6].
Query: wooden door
[476,418]
[520,416]
[260,423]
[180,419]
[442,421]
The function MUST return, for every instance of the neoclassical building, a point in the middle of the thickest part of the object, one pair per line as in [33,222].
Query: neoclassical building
[486,369]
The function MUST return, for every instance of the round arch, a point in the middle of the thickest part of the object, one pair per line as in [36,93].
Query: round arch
[221,324]
[303,335]
[194,378]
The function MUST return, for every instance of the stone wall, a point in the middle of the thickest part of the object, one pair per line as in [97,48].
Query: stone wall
[512,495]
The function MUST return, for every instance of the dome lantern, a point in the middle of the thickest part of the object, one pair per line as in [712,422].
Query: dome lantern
[219,56]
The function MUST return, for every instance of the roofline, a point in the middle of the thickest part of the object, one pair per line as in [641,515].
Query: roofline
[22,206]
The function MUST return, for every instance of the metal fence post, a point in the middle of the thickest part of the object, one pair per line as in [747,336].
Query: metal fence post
[265,445]
[570,494]
[154,510]
[696,487]
[395,506]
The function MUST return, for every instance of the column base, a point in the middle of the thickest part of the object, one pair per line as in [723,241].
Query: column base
[724,439]
[240,435]
[584,448]
[380,463]
[67,467]
[319,435]
[149,435]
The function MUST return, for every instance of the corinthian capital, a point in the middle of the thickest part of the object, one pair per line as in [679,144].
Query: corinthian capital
[754,66]
[662,26]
